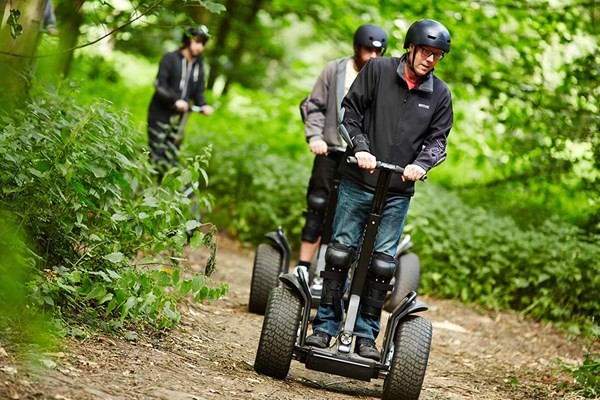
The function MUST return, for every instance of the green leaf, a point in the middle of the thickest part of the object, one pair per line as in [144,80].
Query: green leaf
[119,216]
[98,292]
[213,7]
[107,297]
[114,275]
[98,171]
[131,301]
[115,257]
[192,224]
[170,313]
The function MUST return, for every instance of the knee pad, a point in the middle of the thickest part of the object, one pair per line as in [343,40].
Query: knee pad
[338,256]
[383,267]
[317,201]
[317,204]
[382,270]
[337,263]
[313,227]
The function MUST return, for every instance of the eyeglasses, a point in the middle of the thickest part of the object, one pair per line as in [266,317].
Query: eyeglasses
[426,53]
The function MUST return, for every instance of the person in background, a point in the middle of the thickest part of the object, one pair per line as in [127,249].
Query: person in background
[321,130]
[398,112]
[179,85]
[49,21]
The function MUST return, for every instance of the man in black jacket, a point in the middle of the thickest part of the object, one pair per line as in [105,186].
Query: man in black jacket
[178,85]
[397,111]
[321,130]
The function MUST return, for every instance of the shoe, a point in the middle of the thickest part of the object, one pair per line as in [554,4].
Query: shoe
[318,339]
[365,347]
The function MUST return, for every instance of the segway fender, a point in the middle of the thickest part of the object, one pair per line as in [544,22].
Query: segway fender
[281,243]
[408,306]
[278,237]
[297,284]
[415,307]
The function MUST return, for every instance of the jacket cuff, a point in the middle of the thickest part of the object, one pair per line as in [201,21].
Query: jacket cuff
[359,144]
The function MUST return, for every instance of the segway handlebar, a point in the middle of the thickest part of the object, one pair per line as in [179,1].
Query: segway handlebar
[335,149]
[197,109]
[384,166]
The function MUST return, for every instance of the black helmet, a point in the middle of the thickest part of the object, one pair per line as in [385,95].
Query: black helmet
[429,33]
[201,31]
[371,36]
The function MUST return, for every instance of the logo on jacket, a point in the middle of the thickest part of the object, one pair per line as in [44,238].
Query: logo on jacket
[424,105]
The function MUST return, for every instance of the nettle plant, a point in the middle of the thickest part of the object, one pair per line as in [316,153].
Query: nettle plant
[109,242]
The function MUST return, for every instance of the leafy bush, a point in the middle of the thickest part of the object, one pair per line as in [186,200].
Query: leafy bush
[28,325]
[77,183]
[550,273]
[260,165]
[587,374]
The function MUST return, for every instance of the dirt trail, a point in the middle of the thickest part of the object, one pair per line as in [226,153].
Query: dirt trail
[210,355]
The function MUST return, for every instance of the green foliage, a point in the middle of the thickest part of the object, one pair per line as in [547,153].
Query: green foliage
[260,164]
[20,323]
[587,375]
[80,186]
[551,272]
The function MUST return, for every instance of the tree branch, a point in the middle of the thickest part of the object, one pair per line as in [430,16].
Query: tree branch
[147,11]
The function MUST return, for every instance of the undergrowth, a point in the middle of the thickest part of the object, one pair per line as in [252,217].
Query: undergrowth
[105,242]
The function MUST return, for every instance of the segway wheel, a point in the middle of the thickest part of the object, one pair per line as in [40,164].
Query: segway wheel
[411,351]
[408,278]
[265,276]
[279,333]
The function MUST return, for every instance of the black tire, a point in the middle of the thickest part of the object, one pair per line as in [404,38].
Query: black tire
[279,333]
[412,343]
[408,278]
[265,276]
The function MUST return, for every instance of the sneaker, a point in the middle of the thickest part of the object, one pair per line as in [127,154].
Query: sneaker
[365,347]
[318,339]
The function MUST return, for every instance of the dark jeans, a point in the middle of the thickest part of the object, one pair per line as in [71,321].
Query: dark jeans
[353,207]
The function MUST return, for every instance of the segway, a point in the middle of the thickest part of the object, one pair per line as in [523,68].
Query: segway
[407,337]
[273,257]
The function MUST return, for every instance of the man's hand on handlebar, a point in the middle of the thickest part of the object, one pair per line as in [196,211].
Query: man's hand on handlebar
[366,160]
[318,146]
[206,109]
[182,105]
[413,172]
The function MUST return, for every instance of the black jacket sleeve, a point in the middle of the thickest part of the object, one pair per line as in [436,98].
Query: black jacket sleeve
[164,92]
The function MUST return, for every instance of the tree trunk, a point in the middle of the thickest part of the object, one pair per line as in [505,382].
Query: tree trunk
[248,22]
[3,4]
[16,53]
[224,28]
[70,24]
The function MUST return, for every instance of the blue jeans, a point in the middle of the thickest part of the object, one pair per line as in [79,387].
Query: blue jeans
[351,213]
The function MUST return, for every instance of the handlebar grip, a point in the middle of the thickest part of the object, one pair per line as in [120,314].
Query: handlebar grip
[381,165]
[336,149]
